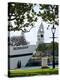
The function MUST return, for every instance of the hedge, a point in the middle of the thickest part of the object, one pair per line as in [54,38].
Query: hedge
[19,72]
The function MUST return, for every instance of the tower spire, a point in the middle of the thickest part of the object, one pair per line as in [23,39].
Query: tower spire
[40,34]
[41,28]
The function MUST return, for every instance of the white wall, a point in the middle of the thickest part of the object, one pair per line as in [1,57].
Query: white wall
[23,59]
[30,49]
[14,61]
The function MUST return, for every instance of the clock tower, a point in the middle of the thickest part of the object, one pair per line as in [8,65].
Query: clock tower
[40,35]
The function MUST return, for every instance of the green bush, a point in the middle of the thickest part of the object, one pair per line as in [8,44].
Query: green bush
[17,73]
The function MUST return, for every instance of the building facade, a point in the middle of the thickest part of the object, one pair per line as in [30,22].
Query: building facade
[20,54]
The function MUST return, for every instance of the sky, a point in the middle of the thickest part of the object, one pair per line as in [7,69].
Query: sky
[32,35]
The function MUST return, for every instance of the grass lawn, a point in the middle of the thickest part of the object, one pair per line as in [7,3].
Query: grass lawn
[31,72]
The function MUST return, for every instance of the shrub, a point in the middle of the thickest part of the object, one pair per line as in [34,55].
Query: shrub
[16,73]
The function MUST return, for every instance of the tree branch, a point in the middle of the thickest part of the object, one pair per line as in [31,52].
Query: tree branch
[11,19]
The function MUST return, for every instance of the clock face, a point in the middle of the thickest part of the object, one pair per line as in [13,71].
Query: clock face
[41,36]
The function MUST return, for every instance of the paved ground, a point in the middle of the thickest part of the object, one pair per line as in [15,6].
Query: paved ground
[36,67]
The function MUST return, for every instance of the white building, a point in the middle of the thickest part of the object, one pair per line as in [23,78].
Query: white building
[20,53]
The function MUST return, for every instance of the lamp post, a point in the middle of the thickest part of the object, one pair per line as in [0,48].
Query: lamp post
[53,29]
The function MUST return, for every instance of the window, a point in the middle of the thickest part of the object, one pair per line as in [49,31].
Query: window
[19,64]
[41,29]
[18,48]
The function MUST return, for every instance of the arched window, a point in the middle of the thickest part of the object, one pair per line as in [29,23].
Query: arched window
[19,64]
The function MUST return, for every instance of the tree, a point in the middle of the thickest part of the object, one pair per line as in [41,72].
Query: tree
[22,14]
[41,47]
[50,47]
[49,13]
[18,40]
